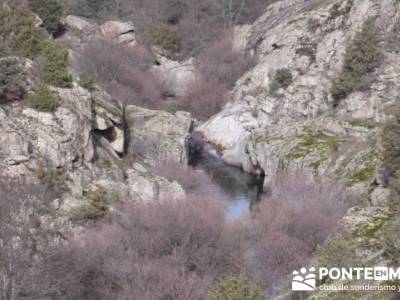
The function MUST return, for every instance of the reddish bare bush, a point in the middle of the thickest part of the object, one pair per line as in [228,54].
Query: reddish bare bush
[275,256]
[25,237]
[197,30]
[165,250]
[204,99]
[178,249]
[123,72]
[302,209]
[287,226]
[220,63]
[195,182]
[219,67]
[199,23]
[164,279]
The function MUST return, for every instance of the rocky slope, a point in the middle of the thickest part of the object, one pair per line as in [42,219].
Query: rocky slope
[298,128]
[175,76]
[93,149]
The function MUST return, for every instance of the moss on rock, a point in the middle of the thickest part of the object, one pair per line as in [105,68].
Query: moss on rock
[314,141]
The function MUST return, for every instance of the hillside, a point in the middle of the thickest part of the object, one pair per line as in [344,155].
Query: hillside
[103,112]
[323,99]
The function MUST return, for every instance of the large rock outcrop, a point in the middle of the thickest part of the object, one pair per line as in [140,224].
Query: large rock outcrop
[301,127]
[177,77]
[261,129]
[83,146]
[158,136]
[123,33]
[80,29]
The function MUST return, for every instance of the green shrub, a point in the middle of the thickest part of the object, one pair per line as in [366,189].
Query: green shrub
[362,56]
[55,65]
[44,100]
[50,11]
[18,30]
[336,10]
[341,87]
[282,79]
[236,288]
[165,38]
[11,80]
[87,81]
[98,205]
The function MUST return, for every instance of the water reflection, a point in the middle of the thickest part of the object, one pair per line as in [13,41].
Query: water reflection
[242,189]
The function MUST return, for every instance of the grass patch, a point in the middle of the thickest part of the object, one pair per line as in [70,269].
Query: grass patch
[104,162]
[236,288]
[366,172]
[362,123]
[312,140]
[99,201]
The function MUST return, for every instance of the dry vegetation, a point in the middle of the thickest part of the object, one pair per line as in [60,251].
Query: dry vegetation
[123,72]
[174,249]
[183,29]
[167,249]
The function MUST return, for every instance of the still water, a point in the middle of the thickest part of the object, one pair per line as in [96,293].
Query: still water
[242,189]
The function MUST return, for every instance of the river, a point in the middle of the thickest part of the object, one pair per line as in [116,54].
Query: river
[242,189]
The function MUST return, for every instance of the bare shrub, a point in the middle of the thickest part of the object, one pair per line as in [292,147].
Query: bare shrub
[179,249]
[275,256]
[220,63]
[164,250]
[123,72]
[219,67]
[164,279]
[308,211]
[288,226]
[198,23]
[198,29]
[195,182]
[24,236]
[204,99]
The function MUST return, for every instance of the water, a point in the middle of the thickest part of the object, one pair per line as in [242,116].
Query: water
[242,189]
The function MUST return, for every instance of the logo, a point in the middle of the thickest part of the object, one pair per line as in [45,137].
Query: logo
[304,280]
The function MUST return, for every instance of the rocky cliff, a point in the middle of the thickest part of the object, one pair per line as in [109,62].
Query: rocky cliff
[292,112]
[270,125]
[93,149]
[285,114]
